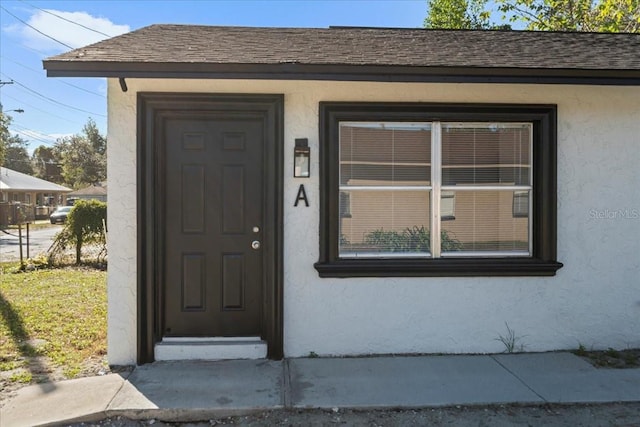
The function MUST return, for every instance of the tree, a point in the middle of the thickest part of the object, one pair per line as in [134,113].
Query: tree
[98,142]
[81,165]
[459,14]
[85,224]
[12,147]
[610,16]
[4,134]
[83,157]
[547,15]
[16,156]
[46,164]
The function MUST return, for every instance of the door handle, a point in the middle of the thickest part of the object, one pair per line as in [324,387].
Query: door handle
[255,244]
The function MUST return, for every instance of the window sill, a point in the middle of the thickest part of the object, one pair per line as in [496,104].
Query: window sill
[443,267]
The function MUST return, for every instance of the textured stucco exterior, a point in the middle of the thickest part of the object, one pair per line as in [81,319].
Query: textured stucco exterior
[594,300]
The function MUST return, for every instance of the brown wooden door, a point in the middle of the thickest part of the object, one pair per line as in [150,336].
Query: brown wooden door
[213,212]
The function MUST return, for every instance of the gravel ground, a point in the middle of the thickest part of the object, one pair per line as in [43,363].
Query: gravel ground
[611,414]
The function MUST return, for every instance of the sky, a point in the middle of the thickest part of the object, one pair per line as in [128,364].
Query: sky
[32,30]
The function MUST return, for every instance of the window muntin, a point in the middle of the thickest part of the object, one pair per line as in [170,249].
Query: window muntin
[386,174]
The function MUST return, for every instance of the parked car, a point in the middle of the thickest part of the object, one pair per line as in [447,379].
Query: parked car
[60,215]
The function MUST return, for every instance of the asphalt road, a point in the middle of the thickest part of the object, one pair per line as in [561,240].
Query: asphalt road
[39,242]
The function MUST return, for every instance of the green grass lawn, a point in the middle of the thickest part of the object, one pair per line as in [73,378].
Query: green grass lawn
[55,319]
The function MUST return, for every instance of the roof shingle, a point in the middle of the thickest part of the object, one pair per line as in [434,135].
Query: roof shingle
[209,48]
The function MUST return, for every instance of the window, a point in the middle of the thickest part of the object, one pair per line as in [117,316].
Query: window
[424,189]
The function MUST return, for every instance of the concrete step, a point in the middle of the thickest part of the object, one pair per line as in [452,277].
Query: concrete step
[213,348]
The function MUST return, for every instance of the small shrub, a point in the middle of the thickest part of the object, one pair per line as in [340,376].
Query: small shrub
[388,241]
[85,225]
[581,351]
[414,239]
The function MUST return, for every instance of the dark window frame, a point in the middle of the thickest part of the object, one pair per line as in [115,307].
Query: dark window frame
[542,261]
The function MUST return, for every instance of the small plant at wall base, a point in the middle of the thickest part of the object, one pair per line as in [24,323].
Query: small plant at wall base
[414,239]
[581,351]
[512,342]
[85,225]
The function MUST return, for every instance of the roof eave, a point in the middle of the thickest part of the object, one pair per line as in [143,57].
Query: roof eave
[339,72]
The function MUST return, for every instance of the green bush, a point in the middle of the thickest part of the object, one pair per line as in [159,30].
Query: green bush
[85,224]
[415,239]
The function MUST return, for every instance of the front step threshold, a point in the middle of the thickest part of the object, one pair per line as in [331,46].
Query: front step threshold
[210,349]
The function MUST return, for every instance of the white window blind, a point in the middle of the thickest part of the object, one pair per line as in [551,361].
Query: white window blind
[481,180]
[385,172]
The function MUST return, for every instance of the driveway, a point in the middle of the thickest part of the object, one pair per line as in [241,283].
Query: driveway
[39,242]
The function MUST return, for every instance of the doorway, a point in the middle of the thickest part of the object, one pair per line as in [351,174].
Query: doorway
[209,218]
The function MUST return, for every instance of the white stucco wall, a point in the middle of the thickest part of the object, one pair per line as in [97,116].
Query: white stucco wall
[594,300]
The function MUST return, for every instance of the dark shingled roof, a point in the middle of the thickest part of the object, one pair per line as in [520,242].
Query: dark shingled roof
[342,53]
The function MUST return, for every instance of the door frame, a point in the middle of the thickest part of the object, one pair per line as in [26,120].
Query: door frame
[153,108]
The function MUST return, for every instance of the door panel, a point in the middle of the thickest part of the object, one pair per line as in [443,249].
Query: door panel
[213,199]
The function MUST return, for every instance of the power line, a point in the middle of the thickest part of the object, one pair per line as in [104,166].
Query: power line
[51,99]
[39,52]
[35,29]
[39,109]
[43,137]
[39,72]
[35,134]
[31,135]
[17,160]
[32,161]
[80,88]
[68,20]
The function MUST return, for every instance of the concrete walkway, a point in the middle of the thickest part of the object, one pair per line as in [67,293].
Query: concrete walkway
[196,391]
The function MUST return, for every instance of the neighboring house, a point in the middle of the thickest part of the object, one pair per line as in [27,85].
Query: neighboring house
[460,182]
[92,192]
[17,187]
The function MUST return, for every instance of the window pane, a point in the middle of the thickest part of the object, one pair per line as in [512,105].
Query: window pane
[377,154]
[486,153]
[447,205]
[520,204]
[485,221]
[384,222]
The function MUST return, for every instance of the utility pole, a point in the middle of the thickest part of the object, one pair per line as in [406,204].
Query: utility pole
[6,83]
